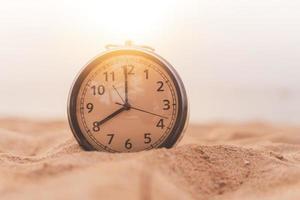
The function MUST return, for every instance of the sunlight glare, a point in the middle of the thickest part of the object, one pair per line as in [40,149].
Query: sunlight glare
[127,19]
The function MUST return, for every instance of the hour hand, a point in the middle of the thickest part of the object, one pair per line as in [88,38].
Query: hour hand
[111,116]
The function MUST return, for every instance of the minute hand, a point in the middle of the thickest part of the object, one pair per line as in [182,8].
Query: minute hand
[126,83]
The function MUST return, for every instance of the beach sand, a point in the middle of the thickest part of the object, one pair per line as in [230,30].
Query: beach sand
[42,160]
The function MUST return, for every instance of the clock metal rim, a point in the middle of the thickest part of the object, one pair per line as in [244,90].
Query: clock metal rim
[181,121]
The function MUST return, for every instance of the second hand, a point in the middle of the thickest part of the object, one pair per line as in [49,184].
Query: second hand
[145,111]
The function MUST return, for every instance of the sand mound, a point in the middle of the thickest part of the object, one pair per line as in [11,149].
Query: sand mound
[42,160]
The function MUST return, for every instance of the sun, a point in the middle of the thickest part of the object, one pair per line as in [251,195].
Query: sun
[130,19]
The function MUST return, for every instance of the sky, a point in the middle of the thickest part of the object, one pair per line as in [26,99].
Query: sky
[239,60]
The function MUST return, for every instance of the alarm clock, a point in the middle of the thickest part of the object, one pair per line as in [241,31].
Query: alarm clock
[127,99]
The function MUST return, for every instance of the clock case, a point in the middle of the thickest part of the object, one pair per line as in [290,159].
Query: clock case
[183,110]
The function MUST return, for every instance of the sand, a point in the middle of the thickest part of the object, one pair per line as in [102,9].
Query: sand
[41,160]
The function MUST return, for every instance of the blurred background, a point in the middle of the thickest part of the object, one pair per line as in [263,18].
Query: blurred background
[239,60]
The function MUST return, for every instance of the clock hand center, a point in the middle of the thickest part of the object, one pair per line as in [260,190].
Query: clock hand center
[127,106]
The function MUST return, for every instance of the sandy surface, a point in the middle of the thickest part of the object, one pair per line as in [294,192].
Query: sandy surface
[41,160]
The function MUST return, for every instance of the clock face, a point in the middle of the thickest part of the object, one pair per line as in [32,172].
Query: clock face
[127,102]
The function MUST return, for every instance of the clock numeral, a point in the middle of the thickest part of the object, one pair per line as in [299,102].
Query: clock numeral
[90,107]
[98,90]
[160,87]
[160,124]
[130,70]
[146,71]
[166,104]
[111,138]
[147,138]
[112,75]
[96,126]
[128,144]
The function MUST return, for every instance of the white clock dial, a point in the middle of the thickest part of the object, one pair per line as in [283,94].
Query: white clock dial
[126,101]
[143,120]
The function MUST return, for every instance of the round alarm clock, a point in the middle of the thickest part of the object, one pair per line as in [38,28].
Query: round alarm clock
[127,99]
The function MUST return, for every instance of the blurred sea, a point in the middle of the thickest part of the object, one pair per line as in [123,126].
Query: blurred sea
[207,103]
